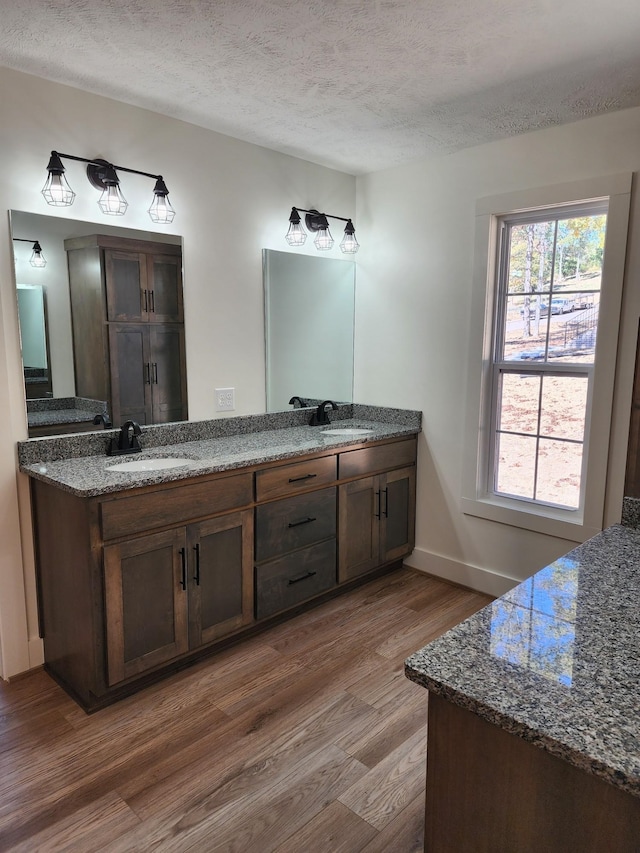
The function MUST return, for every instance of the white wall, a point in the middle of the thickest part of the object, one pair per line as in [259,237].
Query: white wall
[232,200]
[413,305]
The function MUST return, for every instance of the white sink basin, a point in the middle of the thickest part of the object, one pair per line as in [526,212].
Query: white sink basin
[140,465]
[347,431]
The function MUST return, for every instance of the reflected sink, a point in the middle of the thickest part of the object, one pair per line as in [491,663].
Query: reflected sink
[347,431]
[140,465]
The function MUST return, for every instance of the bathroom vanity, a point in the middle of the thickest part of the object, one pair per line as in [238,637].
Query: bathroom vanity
[142,572]
[534,711]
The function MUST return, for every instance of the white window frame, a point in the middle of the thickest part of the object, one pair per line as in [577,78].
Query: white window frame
[477,499]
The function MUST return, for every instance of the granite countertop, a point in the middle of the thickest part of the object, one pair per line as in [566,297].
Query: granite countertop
[88,475]
[49,411]
[59,416]
[556,660]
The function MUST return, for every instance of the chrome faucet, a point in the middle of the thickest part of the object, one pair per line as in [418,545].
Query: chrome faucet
[320,416]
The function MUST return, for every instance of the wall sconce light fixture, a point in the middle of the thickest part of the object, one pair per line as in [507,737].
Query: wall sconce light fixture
[318,223]
[104,176]
[37,259]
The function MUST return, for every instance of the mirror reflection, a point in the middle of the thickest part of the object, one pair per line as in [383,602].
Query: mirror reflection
[111,324]
[309,328]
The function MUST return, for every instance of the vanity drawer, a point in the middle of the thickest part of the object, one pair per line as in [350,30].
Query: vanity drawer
[295,578]
[296,478]
[295,522]
[174,505]
[382,457]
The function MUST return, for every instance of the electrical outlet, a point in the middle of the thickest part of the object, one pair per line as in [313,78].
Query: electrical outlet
[225,399]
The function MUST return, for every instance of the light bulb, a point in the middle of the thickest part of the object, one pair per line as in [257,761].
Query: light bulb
[57,191]
[112,202]
[349,243]
[296,235]
[323,240]
[161,210]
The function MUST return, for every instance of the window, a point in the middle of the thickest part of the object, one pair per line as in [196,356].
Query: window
[548,291]
[548,274]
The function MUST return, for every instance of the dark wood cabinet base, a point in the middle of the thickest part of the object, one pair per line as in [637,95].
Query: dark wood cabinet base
[489,791]
[91,703]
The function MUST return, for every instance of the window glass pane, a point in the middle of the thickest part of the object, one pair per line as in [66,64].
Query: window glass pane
[564,403]
[525,338]
[579,251]
[531,257]
[559,471]
[519,403]
[515,474]
[548,310]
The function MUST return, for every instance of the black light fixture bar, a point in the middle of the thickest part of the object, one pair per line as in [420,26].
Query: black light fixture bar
[37,258]
[103,176]
[317,222]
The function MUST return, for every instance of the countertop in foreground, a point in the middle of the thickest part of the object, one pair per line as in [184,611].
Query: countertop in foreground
[556,660]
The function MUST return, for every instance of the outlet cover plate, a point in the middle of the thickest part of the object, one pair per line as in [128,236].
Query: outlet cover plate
[225,399]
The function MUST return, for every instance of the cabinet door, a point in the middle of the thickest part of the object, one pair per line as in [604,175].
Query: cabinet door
[167,372]
[130,373]
[220,576]
[164,284]
[127,291]
[146,603]
[358,524]
[397,516]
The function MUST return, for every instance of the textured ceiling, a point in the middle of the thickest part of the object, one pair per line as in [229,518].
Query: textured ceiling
[358,85]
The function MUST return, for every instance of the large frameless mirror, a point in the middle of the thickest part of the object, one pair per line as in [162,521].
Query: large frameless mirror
[309,328]
[48,325]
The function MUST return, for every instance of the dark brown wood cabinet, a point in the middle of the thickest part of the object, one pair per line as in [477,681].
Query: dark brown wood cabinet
[377,512]
[171,592]
[134,583]
[128,326]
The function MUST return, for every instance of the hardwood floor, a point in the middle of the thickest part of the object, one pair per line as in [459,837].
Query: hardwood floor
[305,739]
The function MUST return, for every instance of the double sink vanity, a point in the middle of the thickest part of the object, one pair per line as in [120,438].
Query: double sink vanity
[148,561]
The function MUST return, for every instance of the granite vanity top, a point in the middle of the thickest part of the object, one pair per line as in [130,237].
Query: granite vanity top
[49,411]
[78,464]
[556,660]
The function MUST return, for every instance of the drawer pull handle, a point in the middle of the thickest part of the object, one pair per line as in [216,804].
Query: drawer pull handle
[302,521]
[146,301]
[377,513]
[196,577]
[304,477]
[183,556]
[386,503]
[301,578]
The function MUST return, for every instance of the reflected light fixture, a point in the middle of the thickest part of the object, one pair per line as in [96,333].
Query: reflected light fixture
[37,259]
[104,176]
[318,223]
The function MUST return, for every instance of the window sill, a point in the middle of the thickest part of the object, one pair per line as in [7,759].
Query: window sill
[563,524]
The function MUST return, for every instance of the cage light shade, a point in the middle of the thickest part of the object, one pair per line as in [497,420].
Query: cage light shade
[323,240]
[112,202]
[57,191]
[349,244]
[161,210]
[37,259]
[296,235]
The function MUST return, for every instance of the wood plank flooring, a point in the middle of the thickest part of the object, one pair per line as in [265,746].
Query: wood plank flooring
[305,739]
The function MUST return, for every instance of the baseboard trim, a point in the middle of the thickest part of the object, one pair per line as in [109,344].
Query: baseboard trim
[482,580]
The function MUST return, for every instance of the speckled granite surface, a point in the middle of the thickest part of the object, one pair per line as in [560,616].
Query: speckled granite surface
[78,463]
[631,512]
[48,411]
[556,660]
